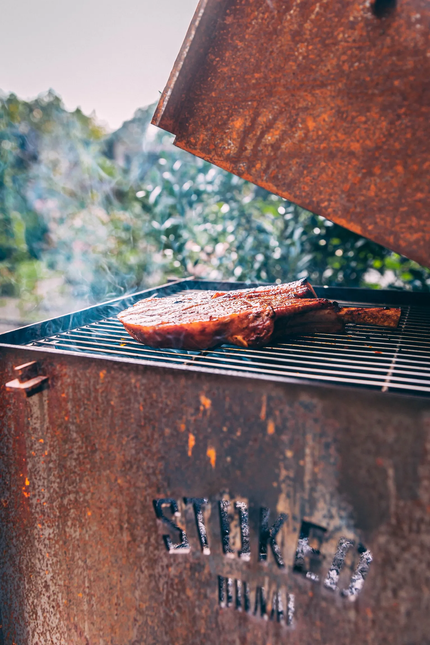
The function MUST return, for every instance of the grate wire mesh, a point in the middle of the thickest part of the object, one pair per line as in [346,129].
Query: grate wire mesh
[383,359]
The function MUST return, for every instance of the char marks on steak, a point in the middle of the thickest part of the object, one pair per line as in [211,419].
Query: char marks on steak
[298,289]
[199,320]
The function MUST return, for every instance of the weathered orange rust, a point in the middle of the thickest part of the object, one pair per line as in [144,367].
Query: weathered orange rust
[324,103]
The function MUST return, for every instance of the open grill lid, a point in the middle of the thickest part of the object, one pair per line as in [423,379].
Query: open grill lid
[326,104]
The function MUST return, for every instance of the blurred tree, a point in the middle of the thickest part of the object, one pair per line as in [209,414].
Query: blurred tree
[111,213]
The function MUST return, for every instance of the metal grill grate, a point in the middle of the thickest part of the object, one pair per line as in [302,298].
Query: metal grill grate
[378,358]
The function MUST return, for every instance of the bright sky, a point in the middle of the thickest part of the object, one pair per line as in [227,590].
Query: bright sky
[111,56]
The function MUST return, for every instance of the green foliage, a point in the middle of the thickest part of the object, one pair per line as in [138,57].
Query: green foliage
[106,214]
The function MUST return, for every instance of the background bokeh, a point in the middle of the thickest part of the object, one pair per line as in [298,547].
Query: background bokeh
[87,214]
[107,56]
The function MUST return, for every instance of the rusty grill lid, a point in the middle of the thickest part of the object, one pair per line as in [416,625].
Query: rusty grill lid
[326,104]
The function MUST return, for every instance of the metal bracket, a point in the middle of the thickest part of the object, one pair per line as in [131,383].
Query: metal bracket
[29,380]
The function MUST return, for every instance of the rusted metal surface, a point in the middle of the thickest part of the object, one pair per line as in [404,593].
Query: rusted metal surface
[82,554]
[326,104]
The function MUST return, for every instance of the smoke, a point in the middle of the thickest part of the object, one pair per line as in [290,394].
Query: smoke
[91,215]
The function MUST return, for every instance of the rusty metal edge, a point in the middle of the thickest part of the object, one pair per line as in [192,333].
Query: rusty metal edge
[217,372]
[79,312]
[179,62]
[188,62]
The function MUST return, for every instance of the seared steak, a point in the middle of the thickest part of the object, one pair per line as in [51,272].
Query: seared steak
[381,316]
[247,317]
[298,289]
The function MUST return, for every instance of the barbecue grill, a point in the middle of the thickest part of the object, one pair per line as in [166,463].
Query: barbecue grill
[234,495]
[325,433]
[395,360]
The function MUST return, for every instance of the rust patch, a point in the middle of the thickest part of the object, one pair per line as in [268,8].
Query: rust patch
[270,427]
[206,403]
[191,443]
[211,453]
[263,407]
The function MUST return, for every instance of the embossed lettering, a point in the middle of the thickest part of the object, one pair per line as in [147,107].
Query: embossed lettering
[359,575]
[260,602]
[225,528]
[277,607]
[245,551]
[198,503]
[269,535]
[307,554]
[182,546]
[238,585]
[291,608]
[332,577]
[225,591]
[246,597]
[242,600]
[234,592]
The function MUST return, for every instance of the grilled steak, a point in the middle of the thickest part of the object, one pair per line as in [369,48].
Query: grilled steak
[298,289]
[203,319]
[194,321]
[382,316]
[247,317]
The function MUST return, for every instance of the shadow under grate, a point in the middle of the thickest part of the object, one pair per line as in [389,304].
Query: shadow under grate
[383,359]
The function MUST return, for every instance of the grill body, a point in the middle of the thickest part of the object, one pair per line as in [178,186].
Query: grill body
[83,557]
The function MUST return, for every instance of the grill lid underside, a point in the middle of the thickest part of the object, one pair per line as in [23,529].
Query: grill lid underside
[326,105]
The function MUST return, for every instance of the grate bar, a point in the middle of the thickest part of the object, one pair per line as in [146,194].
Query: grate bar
[382,359]
[384,363]
[326,375]
[322,370]
[105,350]
[392,366]
[367,334]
